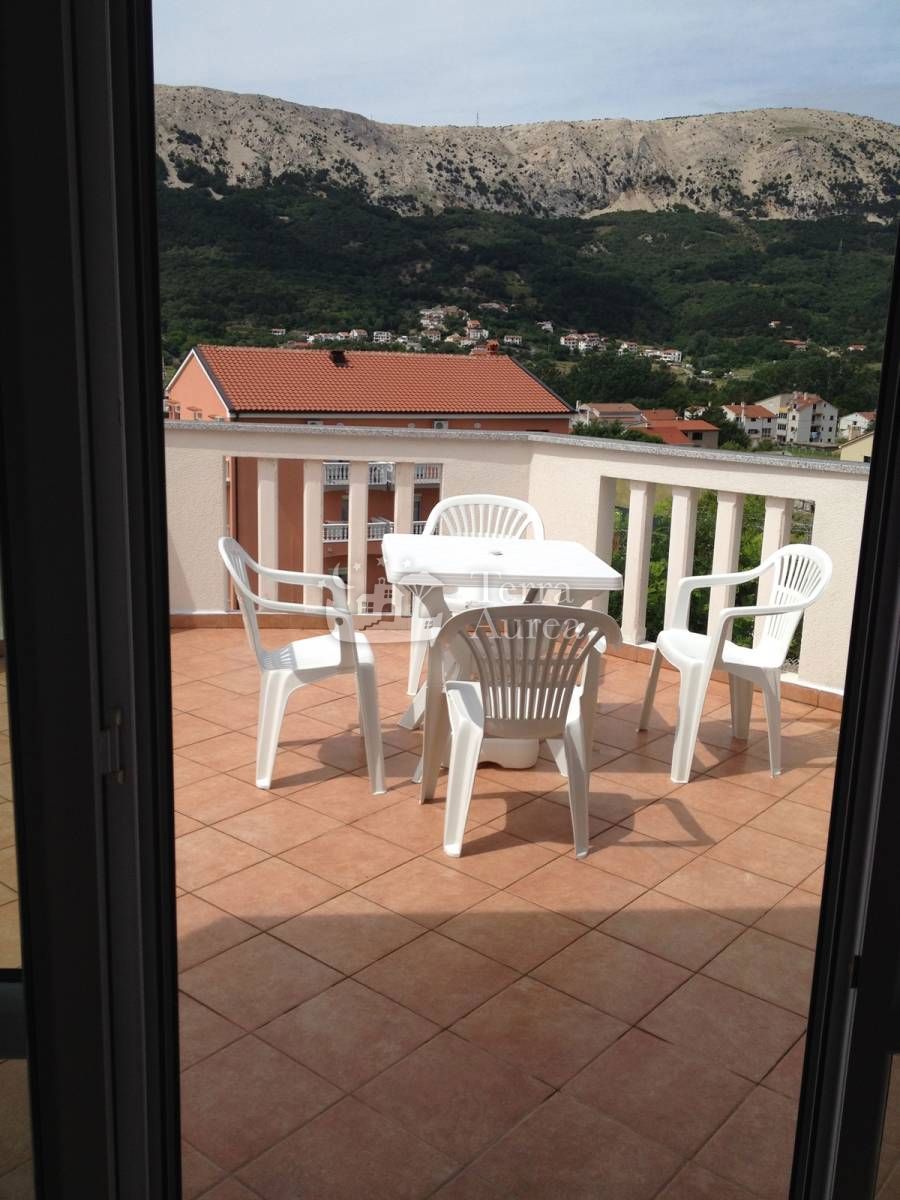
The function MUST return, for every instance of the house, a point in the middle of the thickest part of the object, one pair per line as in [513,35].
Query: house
[359,335]
[570,341]
[858,449]
[796,343]
[669,355]
[278,331]
[680,431]
[383,336]
[476,332]
[629,348]
[803,419]
[589,341]
[547,326]
[494,306]
[855,423]
[774,324]
[856,348]
[431,335]
[512,339]
[251,384]
[621,413]
[756,421]
[454,339]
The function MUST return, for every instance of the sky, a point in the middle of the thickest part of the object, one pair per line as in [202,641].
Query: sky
[450,62]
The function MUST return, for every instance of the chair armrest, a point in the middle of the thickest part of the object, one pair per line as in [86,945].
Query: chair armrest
[692,583]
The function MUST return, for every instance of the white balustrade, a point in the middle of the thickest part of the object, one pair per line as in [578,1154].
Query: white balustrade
[574,482]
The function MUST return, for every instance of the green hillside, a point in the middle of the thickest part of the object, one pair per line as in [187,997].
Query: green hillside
[297,256]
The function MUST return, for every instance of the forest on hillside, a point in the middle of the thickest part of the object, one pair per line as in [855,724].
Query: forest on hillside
[300,256]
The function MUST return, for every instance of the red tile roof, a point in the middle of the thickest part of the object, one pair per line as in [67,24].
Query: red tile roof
[258,379]
[755,411]
[675,433]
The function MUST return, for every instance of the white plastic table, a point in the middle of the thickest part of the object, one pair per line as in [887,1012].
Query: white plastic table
[427,564]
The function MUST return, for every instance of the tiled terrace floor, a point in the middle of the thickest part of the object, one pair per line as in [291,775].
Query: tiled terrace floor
[363,1017]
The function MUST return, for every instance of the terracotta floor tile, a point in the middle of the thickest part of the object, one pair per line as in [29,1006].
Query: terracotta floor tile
[491,798]
[813,883]
[765,854]
[206,855]
[278,825]
[754,1148]
[425,891]
[184,825]
[747,771]
[256,981]
[347,856]
[495,857]
[341,712]
[735,894]
[230,1189]
[566,1149]
[398,770]
[671,822]
[437,978]
[185,771]
[672,929]
[768,967]
[386,1162]
[348,1034]
[722,799]
[575,890]
[540,1030]
[217,797]
[417,827]
[269,892]
[454,1096]
[293,773]
[512,930]
[716,1022]
[188,696]
[204,931]
[797,822]
[243,680]
[348,797]
[246,1097]
[188,729]
[543,777]
[348,932]
[644,1083]
[795,918]
[817,793]
[616,978]
[611,731]
[706,754]
[785,1076]
[543,822]
[198,1174]
[229,710]
[225,752]
[696,1183]
[649,775]
[609,800]
[202,1031]
[636,856]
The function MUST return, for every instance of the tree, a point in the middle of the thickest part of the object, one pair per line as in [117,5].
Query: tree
[612,429]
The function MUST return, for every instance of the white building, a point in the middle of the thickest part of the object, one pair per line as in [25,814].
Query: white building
[476,332]
[803,419]
[359,335]
[512,339]
[383,335]
[855,424]
[570,340]
[547,326]
[757,422]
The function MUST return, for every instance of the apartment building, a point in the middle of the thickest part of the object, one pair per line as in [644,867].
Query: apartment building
[487,391]
[759,423]
[803,419]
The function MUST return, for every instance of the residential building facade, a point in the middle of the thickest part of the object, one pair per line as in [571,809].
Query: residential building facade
[803,419]
[759,423]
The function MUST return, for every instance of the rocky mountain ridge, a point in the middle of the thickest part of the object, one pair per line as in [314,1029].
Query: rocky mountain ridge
[763,163]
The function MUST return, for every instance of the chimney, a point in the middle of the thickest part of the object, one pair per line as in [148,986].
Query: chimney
[493,347]
[338,357]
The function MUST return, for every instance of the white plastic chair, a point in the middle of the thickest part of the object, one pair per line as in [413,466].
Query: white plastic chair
[469,516]
[536,668]
[799,575]
[340,651]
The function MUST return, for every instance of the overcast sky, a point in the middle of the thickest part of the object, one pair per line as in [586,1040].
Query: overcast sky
[429,62]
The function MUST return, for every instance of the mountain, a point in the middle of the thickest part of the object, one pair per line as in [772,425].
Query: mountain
[769,163]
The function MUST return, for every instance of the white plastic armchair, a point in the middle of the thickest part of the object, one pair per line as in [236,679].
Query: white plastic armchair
[470,516]
[340,651]
[798,576]
[536,673]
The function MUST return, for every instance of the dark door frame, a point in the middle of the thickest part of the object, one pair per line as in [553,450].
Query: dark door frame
[854,1028]
[82,530]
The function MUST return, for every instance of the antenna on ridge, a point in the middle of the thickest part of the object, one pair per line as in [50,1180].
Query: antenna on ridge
[477,122]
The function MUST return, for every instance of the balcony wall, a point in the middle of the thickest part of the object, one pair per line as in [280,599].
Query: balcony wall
[571,481]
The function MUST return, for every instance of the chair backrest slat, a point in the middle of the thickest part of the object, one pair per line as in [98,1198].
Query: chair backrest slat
[484,516]
[799,575]
[528,658]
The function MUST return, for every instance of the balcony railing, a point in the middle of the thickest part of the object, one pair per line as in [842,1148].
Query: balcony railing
[339,531]
[381,474]
[575,483]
